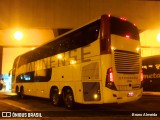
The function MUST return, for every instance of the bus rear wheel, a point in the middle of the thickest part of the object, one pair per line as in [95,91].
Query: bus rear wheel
[21,94]
[55,97]
[17,91]
[69,99]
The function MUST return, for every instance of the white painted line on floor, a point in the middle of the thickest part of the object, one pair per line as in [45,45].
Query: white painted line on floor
[17,106]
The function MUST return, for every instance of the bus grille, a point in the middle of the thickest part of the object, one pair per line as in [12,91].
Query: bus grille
[126,62]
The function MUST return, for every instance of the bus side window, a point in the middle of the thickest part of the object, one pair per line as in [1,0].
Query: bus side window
[43,75]
[154,69]
[144,68]
[149,69]
[158,66]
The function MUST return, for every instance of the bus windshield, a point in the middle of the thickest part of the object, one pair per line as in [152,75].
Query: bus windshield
[123,28]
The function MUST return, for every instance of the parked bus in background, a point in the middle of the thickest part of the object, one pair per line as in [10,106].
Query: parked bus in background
[151,72]
[97,63]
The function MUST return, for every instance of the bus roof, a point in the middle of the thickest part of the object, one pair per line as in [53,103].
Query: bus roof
[55,39]
[60,36]
[151,60]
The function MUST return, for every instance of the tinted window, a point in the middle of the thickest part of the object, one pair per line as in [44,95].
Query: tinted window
[15,65]
[43,75]
[123,28]
[35,76]
[25,77]
[76,39]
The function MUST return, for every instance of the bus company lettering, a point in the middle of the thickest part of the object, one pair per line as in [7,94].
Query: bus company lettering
[154,75]
[79,55]
[128,77]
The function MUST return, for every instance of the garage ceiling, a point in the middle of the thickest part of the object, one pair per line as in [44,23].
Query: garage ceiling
[59,14]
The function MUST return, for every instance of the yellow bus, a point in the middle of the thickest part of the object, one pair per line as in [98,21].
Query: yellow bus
[96,63]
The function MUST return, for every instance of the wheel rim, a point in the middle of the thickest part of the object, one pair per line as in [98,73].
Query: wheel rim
[55,99]
[69,100]
[22,93]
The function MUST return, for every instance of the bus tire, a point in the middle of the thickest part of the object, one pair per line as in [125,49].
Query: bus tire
[17,91]
[55,97]
[21,94]
[69,99]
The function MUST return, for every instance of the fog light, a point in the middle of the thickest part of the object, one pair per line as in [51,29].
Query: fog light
[95,96]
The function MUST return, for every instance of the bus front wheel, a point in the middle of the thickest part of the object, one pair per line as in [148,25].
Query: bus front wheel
[69,99]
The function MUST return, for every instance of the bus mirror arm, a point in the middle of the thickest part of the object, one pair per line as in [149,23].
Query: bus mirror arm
[10,72]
